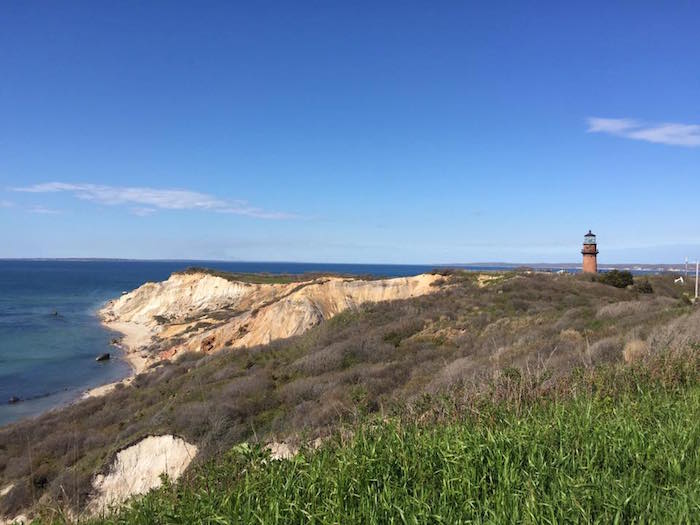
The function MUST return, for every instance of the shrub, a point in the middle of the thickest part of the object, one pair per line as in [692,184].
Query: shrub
[403,331]
[644,286]
[605,351]
[617,278]
[635,350]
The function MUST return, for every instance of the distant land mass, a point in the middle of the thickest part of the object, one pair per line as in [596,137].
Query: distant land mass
[495,265]
[572,266]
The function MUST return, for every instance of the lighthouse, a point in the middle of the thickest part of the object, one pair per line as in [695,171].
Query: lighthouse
[590,253]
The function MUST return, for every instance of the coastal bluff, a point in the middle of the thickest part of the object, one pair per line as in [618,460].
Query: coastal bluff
[203,311]
[510,339]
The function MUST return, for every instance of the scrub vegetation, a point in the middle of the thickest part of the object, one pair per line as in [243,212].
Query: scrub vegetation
[622,446]
[494,359]
[617,278]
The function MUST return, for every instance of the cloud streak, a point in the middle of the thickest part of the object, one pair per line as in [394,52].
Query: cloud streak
[43,210]
[670,133]
[144,201]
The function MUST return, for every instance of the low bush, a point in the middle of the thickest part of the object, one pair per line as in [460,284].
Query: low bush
[644,286]
[617,278]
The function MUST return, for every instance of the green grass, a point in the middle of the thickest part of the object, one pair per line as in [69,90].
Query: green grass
[606,456]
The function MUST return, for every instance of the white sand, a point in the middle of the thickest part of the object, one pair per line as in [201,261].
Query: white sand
[135,338]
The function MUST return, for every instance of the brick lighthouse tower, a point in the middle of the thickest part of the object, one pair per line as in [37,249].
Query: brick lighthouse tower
[590,253]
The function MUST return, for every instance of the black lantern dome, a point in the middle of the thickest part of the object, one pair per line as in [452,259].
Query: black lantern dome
[589,238]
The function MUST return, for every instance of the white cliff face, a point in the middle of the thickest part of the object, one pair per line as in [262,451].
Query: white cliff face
[137,469]
[182,295]
[202,312]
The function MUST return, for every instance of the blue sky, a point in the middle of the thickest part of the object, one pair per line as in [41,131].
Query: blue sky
[350,132]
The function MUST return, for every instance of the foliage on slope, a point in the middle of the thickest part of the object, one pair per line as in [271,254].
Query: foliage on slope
[363,361]
[622,445]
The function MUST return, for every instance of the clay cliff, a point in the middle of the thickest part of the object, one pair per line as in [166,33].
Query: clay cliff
[202,312]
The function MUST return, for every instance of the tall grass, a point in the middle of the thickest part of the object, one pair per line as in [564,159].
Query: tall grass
[594,458]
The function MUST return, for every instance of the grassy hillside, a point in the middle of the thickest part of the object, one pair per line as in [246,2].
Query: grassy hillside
[626,448]
[469,335]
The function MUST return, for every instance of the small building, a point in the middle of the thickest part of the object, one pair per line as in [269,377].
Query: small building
[590,253]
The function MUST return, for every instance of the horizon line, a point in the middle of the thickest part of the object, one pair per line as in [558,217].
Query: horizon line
[442,265]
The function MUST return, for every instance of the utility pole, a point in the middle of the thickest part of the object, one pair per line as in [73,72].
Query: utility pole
[686,268]
[697,274]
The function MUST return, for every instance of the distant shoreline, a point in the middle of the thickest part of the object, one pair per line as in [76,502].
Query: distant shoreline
[461,265]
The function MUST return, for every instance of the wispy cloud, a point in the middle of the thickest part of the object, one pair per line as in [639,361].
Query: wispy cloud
[144,201]
[143,212]
[6,204]
[42,210]
[670,133]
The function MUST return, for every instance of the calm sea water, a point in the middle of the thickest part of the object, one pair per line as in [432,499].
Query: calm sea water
[50,335]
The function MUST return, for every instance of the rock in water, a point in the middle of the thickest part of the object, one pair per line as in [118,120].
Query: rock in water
[103,357]
[13,400]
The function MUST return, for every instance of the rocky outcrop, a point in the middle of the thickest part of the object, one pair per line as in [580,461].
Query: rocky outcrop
[138,469]
[206,313]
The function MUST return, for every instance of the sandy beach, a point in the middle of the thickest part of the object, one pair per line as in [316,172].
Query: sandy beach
[134,338]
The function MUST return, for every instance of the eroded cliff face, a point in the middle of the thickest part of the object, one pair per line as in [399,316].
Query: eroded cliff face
[138,469]
[206,313]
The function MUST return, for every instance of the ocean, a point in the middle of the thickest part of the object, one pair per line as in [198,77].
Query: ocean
[50,334]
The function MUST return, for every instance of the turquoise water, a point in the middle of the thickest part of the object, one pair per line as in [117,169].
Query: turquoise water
[50,335]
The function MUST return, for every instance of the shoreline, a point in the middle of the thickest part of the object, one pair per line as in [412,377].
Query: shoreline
[134,338]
